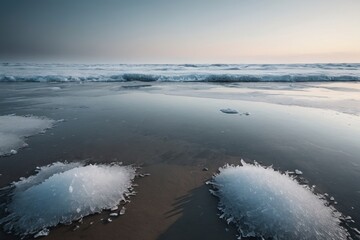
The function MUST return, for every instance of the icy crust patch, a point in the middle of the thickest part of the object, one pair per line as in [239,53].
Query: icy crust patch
[264,203]
[13,130]
[62,193]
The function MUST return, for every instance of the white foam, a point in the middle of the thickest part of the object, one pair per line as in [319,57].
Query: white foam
[44,200]
[267,204]
[30,72]
[13,130]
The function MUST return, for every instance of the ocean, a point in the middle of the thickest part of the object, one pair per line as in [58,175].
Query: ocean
[35,72]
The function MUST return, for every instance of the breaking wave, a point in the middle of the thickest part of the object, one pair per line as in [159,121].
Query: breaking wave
[22,72]
[264,203]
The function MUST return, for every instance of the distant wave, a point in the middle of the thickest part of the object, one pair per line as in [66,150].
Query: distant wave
[23,72]
[180,78]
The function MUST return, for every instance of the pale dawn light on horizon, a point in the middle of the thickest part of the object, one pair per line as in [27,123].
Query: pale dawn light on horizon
[230,31]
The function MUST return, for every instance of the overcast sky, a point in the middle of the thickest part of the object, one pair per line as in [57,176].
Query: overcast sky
[184,31]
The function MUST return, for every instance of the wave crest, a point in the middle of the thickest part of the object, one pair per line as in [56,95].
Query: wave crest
[130,77]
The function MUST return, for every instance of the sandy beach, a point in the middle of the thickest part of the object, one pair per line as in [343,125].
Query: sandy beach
[173,131]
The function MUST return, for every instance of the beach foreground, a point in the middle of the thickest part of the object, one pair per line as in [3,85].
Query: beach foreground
[175,131]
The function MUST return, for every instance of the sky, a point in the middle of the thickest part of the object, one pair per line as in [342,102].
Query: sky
[186,31]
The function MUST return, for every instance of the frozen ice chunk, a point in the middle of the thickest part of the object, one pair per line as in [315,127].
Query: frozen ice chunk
[229,111]
[298,172]
[114,208]
[45,200]
[13,130]
[13,151]
[264,203]
[122,211]
[42,233]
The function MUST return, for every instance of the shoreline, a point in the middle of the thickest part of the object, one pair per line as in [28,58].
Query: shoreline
[173,137]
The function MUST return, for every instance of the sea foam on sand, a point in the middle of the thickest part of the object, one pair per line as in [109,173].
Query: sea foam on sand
[13,130]
[64,192]
[264,203]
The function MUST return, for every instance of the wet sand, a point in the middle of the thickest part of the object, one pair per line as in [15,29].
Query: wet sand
[173,135]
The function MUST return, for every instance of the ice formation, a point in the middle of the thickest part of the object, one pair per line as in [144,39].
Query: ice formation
[64,192]
[264,203]
[229,111]
[42,233]
[13,130]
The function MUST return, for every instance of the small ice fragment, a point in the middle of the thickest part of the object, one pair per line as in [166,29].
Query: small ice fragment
[246,113]
[332,199]
[133,193]
[78,210]
[91,223]
[13,151]
[76,227]
[71,189]
[205,169]
[356,230]
[42,233]
[113,215]
[114,208]
[122,211]
[109,220]
[229,111]
[229,220]
[298,172]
